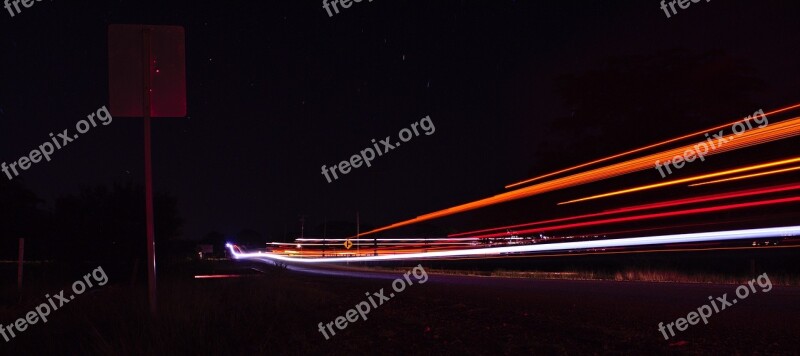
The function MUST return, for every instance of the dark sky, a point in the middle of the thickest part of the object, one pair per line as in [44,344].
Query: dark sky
[276,89]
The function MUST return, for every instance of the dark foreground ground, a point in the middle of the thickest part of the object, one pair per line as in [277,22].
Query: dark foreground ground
[277,313]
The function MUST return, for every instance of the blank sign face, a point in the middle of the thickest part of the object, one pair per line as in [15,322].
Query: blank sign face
[126,54]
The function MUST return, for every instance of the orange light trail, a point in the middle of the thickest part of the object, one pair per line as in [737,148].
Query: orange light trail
[686,180]
[747,176]
[777,131]
[788,108]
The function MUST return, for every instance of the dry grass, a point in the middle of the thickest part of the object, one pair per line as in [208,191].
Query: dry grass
[638,275]
[277,313]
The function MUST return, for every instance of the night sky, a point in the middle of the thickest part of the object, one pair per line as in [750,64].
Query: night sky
[276,89]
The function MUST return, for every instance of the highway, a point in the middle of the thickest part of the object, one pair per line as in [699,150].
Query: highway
[455,314]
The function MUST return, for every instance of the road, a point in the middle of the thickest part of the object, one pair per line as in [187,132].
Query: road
[450,314]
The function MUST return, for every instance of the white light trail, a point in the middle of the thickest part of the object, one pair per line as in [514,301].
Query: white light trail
[609,243]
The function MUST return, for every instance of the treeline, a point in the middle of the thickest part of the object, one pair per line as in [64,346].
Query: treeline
[97,224]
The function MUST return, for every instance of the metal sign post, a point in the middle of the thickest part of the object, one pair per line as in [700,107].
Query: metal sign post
[19,264]
[147,78]
[147,70]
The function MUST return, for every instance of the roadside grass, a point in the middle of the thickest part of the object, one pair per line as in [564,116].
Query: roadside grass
[196,316]
[632,275]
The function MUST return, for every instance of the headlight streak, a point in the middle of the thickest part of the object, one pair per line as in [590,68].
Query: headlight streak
[737,248]
[609,243]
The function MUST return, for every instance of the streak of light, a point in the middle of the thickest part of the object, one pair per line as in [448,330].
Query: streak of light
[653,215]
[776,131]
[609,243]
[664,204]
[214,276]
[703,224]
[400,244]
[645,148]
[626,252]
[686,180]
[398,239]
[747,176]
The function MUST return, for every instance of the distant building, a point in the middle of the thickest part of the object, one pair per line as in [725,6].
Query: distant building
[205,251]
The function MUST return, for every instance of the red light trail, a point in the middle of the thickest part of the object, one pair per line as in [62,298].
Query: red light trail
[665,204]
[651,216]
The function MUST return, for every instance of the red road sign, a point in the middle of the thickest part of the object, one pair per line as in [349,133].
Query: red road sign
[147,78]
[167,70]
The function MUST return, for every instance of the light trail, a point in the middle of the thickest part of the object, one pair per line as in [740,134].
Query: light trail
[747,176]
[788,108]
[396,244]
[610,243]
[630,252]
[686,180]
[217,276]
[371,240]
[651,216]
[776,131]
[665,204]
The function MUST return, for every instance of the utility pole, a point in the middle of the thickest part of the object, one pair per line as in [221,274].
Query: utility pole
[19,264]
[302,225]
[358,246]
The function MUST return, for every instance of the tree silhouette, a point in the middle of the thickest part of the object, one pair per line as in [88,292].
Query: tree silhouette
[20,217]
[110,223]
